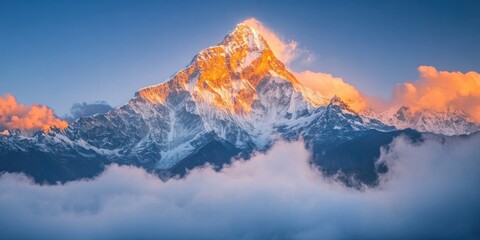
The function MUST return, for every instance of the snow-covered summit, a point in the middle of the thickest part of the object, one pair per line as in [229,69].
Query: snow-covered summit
[228,74]
[449,121]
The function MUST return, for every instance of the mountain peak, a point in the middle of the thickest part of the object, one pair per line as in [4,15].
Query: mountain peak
[226,75]
[245,36]
[447,121]
[337,101]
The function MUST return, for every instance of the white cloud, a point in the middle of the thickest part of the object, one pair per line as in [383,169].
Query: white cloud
[285,51]
[431,192]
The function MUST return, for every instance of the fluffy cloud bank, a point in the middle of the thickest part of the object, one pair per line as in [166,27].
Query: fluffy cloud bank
[430,192]
[439,89]
[34,117]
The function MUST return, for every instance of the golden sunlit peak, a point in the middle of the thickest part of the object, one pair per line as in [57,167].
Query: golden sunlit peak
[245,36]
[253,23]
[227,75]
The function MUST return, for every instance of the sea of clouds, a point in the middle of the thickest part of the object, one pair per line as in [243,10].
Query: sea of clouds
[431,191]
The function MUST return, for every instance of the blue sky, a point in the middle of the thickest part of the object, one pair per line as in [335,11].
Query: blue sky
[62,52]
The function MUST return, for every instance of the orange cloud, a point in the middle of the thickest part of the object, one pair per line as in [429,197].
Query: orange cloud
[34,117]
[437,90]
[329,86]
[284,51]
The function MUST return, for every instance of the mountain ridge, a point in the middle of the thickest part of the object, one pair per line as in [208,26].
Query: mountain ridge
[236,96]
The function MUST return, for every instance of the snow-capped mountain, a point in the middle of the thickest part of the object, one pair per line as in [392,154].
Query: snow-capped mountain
[449,121]
[233,98]
[237,91]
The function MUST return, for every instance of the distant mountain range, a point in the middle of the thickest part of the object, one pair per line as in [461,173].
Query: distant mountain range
[233,99]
